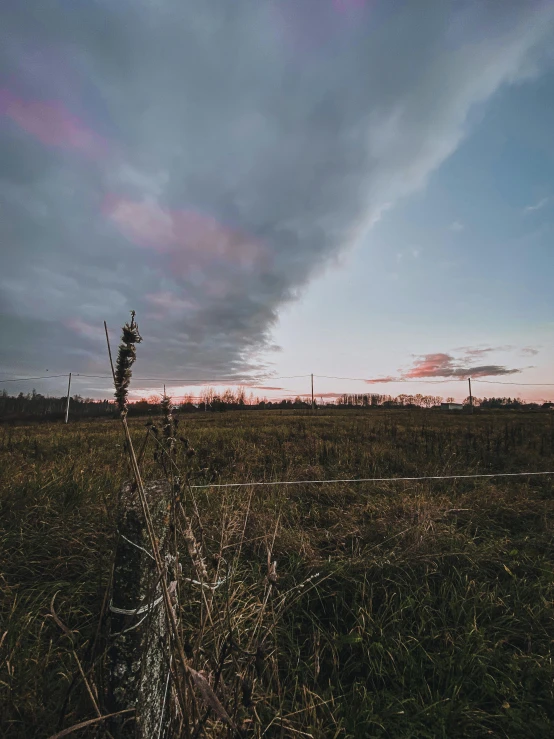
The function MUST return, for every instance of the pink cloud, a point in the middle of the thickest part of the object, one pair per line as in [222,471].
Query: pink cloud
[170,303]
[144,224]
[89,331]
[52,124]
[440,365]
[431,365]
[193,239]
[530,351]
[444,365]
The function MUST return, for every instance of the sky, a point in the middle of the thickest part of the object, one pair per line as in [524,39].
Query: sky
[351,188]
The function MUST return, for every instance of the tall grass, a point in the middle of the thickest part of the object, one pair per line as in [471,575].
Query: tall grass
[405,610]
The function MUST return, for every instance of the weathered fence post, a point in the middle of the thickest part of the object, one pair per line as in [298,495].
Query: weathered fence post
[138,658]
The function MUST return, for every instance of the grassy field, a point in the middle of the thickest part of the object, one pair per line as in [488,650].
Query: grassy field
[415,609]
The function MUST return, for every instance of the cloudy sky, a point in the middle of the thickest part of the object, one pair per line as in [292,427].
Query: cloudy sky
[354,188]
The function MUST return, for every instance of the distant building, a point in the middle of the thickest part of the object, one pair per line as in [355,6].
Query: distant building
[452,406]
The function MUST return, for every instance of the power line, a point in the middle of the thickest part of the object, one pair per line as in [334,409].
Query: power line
[20,379]
[149,379]
[437,382]
[377,382]
[185,381]
[280,377]
[371,479]
[285,377]
[501,382]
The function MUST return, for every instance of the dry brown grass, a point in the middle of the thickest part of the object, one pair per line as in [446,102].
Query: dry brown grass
[430,616]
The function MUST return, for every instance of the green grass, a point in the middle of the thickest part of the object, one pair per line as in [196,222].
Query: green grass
[431,615]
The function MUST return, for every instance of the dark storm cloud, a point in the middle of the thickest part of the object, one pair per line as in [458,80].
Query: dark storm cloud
[200,162]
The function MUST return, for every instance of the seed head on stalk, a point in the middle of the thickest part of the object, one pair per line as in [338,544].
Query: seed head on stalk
[126,356]
[168,425]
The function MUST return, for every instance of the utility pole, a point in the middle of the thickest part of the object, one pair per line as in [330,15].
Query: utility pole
[67,404]
[470,396]
[313,407]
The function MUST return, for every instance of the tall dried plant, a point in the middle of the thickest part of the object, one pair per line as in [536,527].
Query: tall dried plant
[222,690]
[126,357]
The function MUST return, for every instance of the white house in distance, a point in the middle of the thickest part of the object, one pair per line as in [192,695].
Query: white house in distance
[452,406]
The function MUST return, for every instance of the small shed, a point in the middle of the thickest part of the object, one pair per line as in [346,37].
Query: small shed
[452,406]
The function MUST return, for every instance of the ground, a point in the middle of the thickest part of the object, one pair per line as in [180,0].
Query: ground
[401,609]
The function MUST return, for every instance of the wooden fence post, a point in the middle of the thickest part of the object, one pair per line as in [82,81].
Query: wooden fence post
[68,399]
[138,658]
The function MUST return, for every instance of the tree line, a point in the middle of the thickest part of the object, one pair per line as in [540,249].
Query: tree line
[34,406]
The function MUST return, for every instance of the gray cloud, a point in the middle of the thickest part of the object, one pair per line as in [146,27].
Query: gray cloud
[474,352]
[201,162]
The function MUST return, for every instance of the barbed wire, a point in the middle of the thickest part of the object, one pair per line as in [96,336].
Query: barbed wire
[371,479]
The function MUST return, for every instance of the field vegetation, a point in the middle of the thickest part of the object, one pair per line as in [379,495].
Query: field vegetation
[395,609]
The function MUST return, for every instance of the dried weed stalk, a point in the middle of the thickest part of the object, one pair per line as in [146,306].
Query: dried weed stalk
[126,357]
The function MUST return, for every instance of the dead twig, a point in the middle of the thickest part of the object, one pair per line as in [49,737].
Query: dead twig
[90,722]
